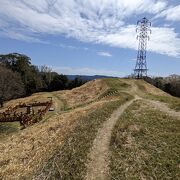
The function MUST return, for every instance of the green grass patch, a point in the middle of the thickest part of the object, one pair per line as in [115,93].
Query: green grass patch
[8,128]
[145,145]
[69,162]
[116,84]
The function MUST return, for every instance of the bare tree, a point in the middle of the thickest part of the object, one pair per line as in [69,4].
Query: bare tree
[47,71]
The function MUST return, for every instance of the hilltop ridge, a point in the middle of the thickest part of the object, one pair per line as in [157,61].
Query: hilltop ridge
[73,126]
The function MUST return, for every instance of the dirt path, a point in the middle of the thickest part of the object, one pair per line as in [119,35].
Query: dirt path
[58,104]
[163,107]
[97,166]
[134,88]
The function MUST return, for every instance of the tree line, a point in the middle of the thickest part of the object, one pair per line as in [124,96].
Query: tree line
[19,78]
[170,84]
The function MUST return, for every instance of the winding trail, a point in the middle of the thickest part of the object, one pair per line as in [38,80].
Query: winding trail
[58,105]
[97,165]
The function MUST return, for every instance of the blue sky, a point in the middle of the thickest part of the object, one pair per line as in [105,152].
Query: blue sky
[90,37]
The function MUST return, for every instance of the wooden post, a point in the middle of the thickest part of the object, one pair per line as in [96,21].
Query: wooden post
[29,109]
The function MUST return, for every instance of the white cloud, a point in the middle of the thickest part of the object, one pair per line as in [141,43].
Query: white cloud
[68,46]
[165,41]
[71,47]
[171,14]
[96,21]
[21,36]
[87,71]
[106,54]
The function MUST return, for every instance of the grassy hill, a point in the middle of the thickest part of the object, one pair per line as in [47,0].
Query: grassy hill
[143,145]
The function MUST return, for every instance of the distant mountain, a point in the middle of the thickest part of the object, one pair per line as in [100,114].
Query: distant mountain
[88,78]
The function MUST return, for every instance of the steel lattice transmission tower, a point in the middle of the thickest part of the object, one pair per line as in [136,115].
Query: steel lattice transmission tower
[143,30]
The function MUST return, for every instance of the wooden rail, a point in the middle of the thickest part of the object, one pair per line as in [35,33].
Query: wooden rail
[11,114]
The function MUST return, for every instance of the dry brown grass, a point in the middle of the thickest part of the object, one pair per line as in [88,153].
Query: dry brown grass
[145,87]
[84,94]
[34,97]
[69,161]
[140,87]
[145,146]
[26,151]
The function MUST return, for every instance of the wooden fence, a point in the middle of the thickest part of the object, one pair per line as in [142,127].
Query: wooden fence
[25,119]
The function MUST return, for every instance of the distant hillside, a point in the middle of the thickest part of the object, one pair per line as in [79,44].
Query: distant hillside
[88,78]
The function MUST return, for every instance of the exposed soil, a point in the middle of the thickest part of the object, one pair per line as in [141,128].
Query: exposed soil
[97,167]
